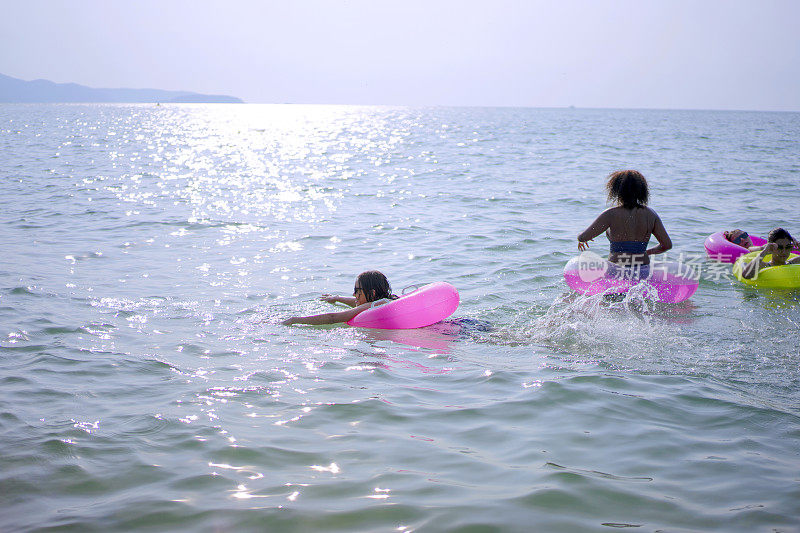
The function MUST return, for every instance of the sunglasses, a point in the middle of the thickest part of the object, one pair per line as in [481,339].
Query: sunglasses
[356,289]
[738,239]
[783,246]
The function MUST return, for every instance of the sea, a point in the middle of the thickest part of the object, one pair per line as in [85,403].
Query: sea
[151,252]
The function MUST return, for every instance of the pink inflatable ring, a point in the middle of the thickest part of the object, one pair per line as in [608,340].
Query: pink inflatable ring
[427,305]
[721,249]
[590,274]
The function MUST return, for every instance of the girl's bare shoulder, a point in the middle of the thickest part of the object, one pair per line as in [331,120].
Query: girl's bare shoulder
[611,212]
[651,213]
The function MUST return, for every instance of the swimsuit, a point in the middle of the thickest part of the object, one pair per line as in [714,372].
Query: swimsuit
[628,247]
[629,270]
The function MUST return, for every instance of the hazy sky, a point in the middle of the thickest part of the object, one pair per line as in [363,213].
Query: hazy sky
[707,54]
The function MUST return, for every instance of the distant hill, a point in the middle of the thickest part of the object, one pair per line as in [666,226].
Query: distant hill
[13,90]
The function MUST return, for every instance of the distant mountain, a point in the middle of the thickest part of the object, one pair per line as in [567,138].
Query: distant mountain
[13,90]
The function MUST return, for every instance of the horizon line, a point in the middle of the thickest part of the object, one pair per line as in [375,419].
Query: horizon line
[412,106]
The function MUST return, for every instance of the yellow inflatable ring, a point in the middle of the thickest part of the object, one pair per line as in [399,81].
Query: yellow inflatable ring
[775,277]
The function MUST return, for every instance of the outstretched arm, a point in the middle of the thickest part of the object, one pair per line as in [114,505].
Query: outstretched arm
[661,235]
[327,318]
[597,227]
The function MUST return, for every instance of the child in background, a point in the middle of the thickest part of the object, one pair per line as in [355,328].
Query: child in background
[780,245]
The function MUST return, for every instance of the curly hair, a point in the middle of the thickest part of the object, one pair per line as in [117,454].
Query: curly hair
[628,188]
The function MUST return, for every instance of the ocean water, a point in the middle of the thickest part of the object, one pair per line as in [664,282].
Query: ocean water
[149,254]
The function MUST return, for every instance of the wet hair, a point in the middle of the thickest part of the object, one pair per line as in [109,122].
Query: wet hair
[375,286]
[628,188]
[778,233]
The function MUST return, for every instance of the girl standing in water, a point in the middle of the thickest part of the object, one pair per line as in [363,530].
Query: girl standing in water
[629,224]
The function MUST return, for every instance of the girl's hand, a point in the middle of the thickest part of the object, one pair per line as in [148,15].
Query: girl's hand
[288,321]
[769,248]
[331,299]
[583,246]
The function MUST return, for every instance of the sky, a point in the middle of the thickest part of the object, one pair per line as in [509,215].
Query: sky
[664,54]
